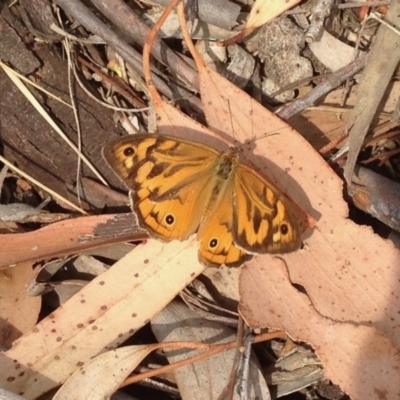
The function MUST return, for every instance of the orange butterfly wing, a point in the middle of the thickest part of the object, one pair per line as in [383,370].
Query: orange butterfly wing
[216,243]
[264,219]
[169,180]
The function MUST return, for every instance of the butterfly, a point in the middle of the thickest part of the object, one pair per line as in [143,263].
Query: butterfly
[180,187]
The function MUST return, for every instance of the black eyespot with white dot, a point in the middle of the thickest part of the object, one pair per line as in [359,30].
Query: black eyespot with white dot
[284,229]
[169,219]
[129,151]
[213,243]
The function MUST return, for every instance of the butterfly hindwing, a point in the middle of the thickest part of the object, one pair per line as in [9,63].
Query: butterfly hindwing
[216,245]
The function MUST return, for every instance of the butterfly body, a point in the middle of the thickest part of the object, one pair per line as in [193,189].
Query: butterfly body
[180,187]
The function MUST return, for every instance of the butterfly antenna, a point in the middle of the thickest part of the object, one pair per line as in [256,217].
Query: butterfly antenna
[235,141]
[266,134]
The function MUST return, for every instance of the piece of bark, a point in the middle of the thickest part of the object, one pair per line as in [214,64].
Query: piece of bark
[377,196]
[221,13]
[28,140]
[38,17]
[13,49]
[383,59]
[69,237]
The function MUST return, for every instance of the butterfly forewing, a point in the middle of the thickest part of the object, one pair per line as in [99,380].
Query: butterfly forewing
[124,154]
[169,180]
[262,220]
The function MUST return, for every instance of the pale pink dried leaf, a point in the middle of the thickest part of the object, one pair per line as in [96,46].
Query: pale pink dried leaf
[101,316]
[101,377]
